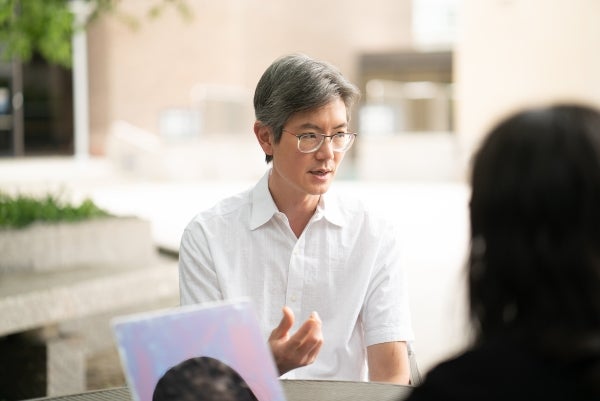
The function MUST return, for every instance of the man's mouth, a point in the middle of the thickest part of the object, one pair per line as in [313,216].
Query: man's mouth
[320,172]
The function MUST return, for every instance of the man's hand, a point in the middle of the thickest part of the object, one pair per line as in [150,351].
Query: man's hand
[300,349]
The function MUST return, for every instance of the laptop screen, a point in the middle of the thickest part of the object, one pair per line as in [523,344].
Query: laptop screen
[200,349]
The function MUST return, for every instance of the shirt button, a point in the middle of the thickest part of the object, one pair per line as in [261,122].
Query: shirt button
[293,298]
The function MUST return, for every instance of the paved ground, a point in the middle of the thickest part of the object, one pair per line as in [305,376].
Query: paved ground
[432,218]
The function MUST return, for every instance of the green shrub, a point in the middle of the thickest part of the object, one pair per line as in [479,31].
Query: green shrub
[21,210]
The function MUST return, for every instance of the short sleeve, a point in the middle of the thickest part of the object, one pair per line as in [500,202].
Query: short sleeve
[197,277]
[386,312]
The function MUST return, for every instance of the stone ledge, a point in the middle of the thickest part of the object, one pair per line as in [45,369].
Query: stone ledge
[65,245]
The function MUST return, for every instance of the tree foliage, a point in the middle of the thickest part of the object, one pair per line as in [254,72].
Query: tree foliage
[46,27]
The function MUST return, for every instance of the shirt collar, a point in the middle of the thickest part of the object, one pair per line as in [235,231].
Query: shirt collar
[264,208]
[330,208]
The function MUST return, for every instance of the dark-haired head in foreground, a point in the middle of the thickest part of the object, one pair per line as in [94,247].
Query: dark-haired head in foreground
[202,379]
[534,267]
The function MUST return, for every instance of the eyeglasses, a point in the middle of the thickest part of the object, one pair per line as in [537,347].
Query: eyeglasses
[310,142]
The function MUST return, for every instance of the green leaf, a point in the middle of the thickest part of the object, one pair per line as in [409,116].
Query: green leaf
[21,210]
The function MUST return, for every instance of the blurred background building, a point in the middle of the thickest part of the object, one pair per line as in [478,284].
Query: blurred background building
[184,83]
[434,75]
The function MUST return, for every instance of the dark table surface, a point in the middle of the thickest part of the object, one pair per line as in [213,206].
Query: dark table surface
[295,390]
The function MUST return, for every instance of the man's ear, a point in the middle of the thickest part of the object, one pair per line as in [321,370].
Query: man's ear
[265,137]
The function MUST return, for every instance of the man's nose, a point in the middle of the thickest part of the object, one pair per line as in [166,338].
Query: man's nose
[325,151]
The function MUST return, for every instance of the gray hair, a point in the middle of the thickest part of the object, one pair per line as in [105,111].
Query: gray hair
[295,83]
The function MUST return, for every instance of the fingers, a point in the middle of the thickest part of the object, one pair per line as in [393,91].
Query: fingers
[302,347]
[308,339]
[310,328]
[286,323]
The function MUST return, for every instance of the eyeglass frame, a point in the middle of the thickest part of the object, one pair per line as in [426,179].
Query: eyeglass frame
[323,136]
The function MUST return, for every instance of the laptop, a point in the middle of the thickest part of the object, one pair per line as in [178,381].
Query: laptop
[222,341]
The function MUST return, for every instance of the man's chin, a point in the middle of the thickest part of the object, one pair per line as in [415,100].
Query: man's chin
[321,189]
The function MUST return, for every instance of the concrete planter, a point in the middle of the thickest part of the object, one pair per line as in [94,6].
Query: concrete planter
[41,247]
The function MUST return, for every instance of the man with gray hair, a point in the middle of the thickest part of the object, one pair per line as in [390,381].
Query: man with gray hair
[289,243]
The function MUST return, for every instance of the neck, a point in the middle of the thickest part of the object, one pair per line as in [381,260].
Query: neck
[297,210]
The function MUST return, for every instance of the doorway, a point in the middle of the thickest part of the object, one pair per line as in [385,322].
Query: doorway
[36,109]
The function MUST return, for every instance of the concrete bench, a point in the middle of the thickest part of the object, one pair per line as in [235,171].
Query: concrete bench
[39,358]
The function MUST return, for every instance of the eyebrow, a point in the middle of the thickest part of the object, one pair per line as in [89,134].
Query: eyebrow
[317,128]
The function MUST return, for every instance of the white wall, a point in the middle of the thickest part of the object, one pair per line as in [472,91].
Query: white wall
[512,53]
[136,74]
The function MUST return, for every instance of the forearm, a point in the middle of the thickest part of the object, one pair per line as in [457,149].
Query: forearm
[388,362]
[396,377]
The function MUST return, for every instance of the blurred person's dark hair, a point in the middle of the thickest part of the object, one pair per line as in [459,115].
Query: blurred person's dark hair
[534,267]
[202,379]
[295,83]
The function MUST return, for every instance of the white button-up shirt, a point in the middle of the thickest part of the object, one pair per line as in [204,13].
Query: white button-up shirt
[345,265]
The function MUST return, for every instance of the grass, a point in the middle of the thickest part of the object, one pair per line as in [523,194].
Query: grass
[21,210]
